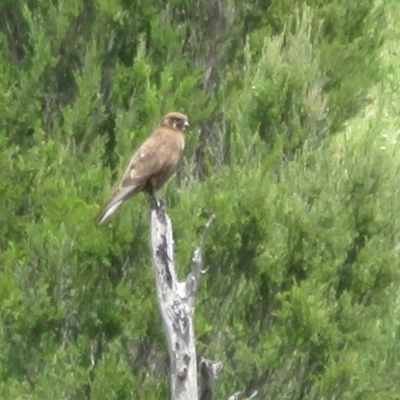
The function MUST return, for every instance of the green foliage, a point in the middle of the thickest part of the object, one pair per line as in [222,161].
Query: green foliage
[306,265]
[301,297]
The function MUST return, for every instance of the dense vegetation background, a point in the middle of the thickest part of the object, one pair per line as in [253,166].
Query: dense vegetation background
[293,107]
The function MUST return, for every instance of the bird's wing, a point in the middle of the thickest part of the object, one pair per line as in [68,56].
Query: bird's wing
[153,156]
[159,152]
[147,160]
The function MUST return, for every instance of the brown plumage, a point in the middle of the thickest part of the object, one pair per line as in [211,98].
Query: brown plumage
[152,164]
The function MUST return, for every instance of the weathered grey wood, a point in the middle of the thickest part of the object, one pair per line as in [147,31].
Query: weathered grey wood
[176,304]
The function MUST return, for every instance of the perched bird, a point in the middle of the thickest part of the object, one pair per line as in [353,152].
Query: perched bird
[152,164]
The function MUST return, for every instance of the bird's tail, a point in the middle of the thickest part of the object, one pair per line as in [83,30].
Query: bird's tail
[107,211]
[117,199]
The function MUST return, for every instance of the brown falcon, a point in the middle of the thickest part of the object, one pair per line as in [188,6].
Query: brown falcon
[152,164]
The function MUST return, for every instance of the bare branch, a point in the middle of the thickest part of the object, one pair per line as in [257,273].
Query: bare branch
[176,304]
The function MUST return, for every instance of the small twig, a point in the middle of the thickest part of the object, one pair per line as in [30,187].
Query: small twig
[197,256]
[238,395]
[210,370]
[209,373]
[255,393]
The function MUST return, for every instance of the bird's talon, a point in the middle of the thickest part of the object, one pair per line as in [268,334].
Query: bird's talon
[156,202]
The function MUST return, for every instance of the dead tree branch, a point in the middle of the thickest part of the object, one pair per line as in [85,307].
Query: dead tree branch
[176,304]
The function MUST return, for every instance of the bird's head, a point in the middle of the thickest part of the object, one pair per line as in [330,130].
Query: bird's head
[175,120]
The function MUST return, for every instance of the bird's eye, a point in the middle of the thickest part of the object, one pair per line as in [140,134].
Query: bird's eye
[179,123]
